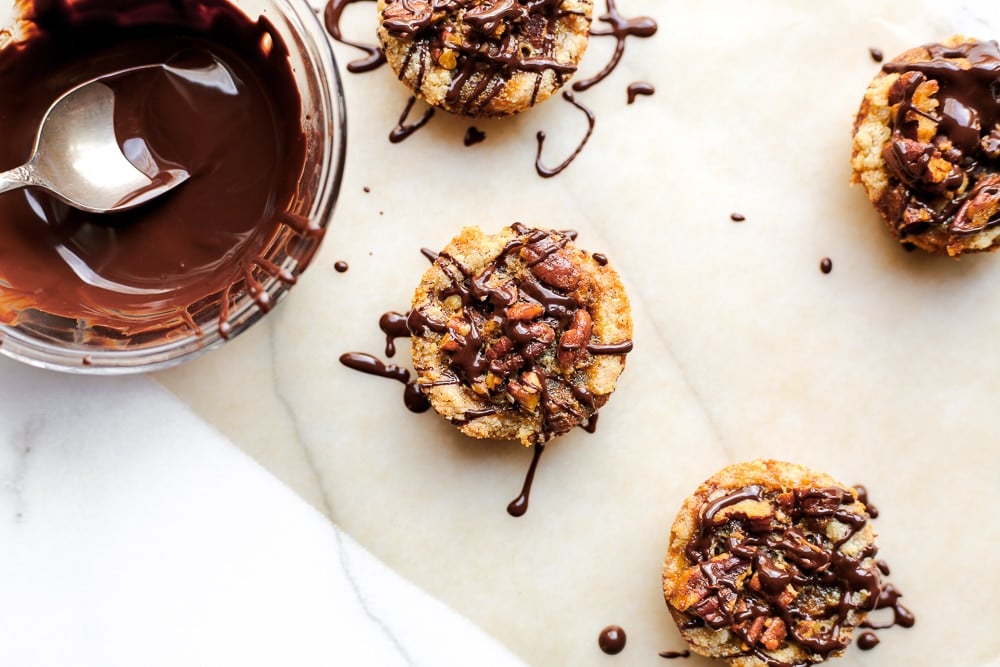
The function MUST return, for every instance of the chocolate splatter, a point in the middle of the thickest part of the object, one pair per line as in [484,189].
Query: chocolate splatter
[737,217]
[473,136]
[341,266]
[876,54]
[671,655]
[639,88]
[612,640]
[826,265]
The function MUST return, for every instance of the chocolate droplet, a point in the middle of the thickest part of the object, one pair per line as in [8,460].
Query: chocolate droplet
[612,640]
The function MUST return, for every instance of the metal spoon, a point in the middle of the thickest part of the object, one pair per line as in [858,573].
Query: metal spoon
[76,156]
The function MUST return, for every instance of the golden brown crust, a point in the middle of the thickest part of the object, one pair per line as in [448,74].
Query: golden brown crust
[507,330]
[932,193]
[484,58]
[760,507]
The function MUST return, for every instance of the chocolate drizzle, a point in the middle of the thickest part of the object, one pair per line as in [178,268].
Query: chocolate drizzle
[413,398]
[491,42]
[767,568]
[862,492]
[483,60]
[945,158]
[621,28]
[402,131]
[334,11]
[546,172]
[393,325]
[519,505]
[522,338]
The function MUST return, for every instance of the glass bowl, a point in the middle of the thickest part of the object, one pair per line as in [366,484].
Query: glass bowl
[73,345]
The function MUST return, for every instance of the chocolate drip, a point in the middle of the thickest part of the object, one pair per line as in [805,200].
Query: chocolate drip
[519,505]
[600,259]
[334,10]
[826,265]
[639,88]
[621,28]
[737,217]
[366,363]
[402,131]
[393,325]
[612,640]
[862,492]
[341,266]
[413,398]
[889,599]
[876,54]
[590,424]
[672,655]
[546,172]
[431,255]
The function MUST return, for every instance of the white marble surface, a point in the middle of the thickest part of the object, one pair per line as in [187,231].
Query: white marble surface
[135,534]
[881,372]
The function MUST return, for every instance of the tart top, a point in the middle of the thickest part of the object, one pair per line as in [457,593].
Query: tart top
[519,335]
[927,144]
[484,57]
[778,556]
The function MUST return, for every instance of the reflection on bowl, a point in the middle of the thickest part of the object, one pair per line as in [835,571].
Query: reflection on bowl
[249,101]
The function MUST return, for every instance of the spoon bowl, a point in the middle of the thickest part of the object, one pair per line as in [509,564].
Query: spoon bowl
[77,158]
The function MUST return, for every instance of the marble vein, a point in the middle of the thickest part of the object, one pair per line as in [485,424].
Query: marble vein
[293,419]
[21,445]
[349,574]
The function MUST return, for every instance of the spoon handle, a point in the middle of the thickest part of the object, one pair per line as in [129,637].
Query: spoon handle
[18,177]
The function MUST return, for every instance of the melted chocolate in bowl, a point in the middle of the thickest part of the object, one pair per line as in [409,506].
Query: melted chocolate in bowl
[247,100]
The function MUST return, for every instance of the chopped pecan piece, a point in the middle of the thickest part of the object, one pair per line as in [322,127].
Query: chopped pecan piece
[557,271]
[573,342]
[774,635]
[407,17]
[508,365]
[981,209]
[524,311]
